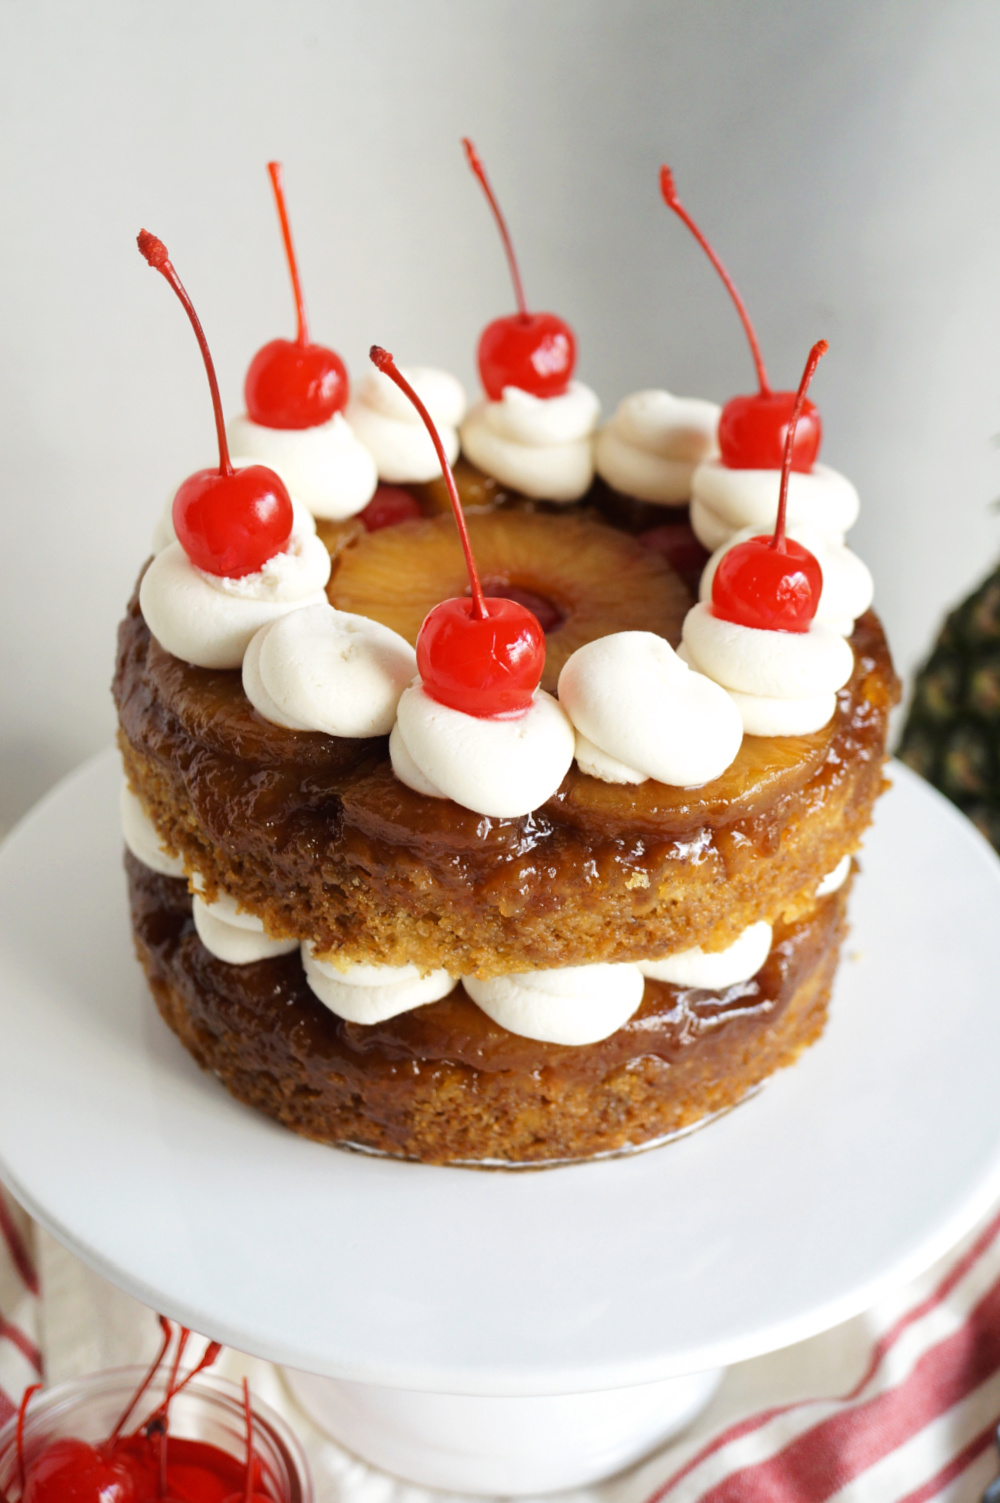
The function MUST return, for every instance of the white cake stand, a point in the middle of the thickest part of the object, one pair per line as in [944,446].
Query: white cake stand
[520,1331]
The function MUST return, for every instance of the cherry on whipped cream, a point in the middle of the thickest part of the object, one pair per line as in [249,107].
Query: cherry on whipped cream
[293,383]
[753,429]
[229,522]
[533,351]
[773,583]
[141,1466]
[482,656]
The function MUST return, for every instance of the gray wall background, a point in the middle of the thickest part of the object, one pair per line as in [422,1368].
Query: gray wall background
[844,157]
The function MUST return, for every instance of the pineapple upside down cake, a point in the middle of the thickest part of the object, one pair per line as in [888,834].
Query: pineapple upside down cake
[493,778]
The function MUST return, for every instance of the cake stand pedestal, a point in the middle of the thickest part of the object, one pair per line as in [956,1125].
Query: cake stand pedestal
[505,1444]
[847,1174]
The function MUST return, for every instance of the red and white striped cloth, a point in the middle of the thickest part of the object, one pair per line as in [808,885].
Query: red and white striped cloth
[924,1411]
[20,1352]
[916,1425]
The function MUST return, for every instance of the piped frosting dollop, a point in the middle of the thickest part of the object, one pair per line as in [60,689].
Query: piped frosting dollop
[143,839]
[502,767]
[579,1004]
[208,620]
[372,993]
[326,468]
[233,935]
[540,446]
[391,429]
[714,970]
[724,500]
[641,712]
[783,683]
[650,447]
[320,669]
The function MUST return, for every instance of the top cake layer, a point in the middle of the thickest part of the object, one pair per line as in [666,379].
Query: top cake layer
[316,835]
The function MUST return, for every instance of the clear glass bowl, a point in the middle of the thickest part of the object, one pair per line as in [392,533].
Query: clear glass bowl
[210,1409]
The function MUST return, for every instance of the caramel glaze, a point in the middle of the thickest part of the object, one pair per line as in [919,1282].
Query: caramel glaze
[316,835]
[443,1082]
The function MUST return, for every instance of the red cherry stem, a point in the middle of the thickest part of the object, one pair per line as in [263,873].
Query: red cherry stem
[248,1489]
[816,354]
[277,183]
[173,1387]
[515,274]
[168,1336]
[673,202]
[385,363]
[157,255]
[26,1398]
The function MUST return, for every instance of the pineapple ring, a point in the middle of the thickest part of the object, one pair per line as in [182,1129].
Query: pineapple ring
[599,580]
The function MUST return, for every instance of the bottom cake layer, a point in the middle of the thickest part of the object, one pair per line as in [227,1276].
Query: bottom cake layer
[445,1084]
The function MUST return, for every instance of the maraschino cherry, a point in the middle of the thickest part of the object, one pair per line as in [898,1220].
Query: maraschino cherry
[534,351]
[229,522]
[389,506]
[481,656]
[293,383]
[753,429]
[146,1465]
[773,583]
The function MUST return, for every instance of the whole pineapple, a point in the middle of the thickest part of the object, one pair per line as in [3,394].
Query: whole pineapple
[952,732]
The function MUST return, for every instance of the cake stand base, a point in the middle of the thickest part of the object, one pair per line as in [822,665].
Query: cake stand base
[507,1445]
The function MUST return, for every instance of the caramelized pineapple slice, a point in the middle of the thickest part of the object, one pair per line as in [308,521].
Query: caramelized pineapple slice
[596,580]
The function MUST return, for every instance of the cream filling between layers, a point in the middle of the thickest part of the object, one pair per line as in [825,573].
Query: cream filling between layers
[372,993]
[714,970]
[641,712]
[724,500]
[142,837]
[326,468]
[540,446]
[238,939]
[834,881]
[572,1005]
[650,447]
[783,683]
[503,768]
[208,620]
[390,427]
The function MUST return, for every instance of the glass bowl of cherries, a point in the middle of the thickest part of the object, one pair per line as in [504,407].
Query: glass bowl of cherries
[129,1436]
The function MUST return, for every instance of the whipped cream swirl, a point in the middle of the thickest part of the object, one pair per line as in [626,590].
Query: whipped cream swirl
[392,430]
[651,446]
[540,446]
[714,970]
[372,993]
[579,1004]
[143,839]
[320,669]
[209,619]
[324,468]
[848,588]
[502,767]
[724,500]
[234,936]
[783,683]
[641,712]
